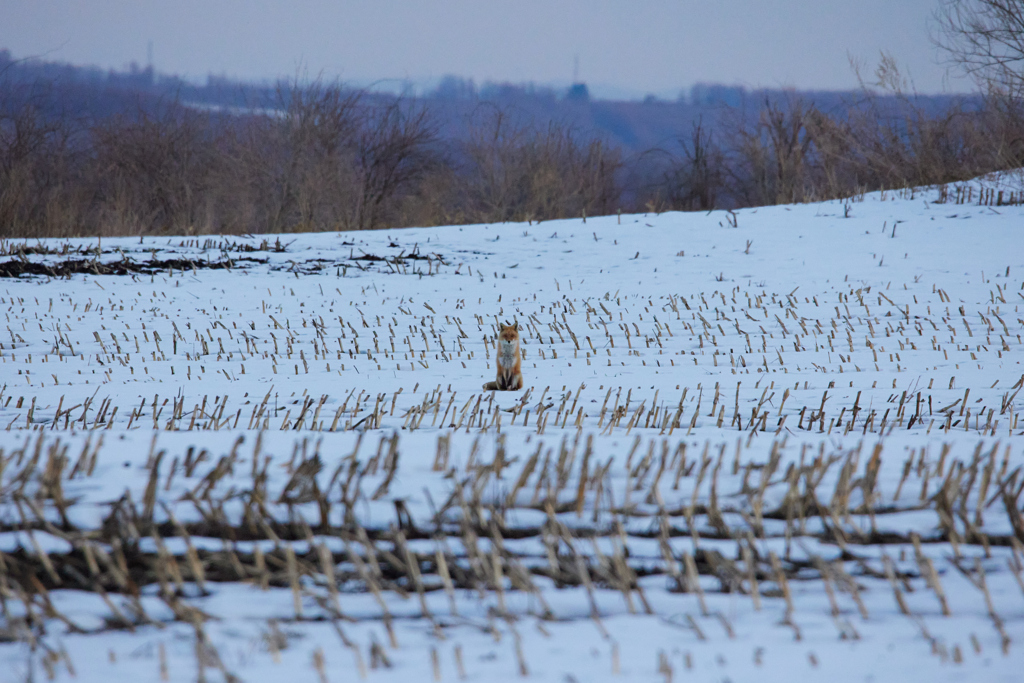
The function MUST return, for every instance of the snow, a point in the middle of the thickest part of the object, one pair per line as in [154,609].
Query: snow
[674,354]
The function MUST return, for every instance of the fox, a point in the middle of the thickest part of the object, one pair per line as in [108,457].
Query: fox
[509,360]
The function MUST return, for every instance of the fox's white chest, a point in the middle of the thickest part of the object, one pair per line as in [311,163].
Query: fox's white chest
[506,353]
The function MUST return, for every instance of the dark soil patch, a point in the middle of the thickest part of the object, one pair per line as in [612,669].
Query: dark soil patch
[399,258]
[22,268]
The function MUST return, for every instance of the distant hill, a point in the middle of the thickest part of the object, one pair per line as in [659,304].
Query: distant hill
[635,126]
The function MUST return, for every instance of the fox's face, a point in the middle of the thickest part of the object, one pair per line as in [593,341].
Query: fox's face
[509,333]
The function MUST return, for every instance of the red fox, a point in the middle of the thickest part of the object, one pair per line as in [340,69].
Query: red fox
[509,361]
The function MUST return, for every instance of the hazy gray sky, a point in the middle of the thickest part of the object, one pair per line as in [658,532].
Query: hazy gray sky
[625,47]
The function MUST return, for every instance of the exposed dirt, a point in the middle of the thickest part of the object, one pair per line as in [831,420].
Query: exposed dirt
[69,267]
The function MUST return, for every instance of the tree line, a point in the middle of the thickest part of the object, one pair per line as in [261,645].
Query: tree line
[316,155]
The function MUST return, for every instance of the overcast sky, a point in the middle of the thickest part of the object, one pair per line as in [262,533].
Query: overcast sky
[624,47]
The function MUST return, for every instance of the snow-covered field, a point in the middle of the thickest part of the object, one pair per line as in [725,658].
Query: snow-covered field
[755,446]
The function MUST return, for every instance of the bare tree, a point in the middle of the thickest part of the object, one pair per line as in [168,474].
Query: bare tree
[771,158]
[152,167]
[513,171]
[36,196]
[393,151]
[328,158]
[697,180]
[986,39]
[288,167]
